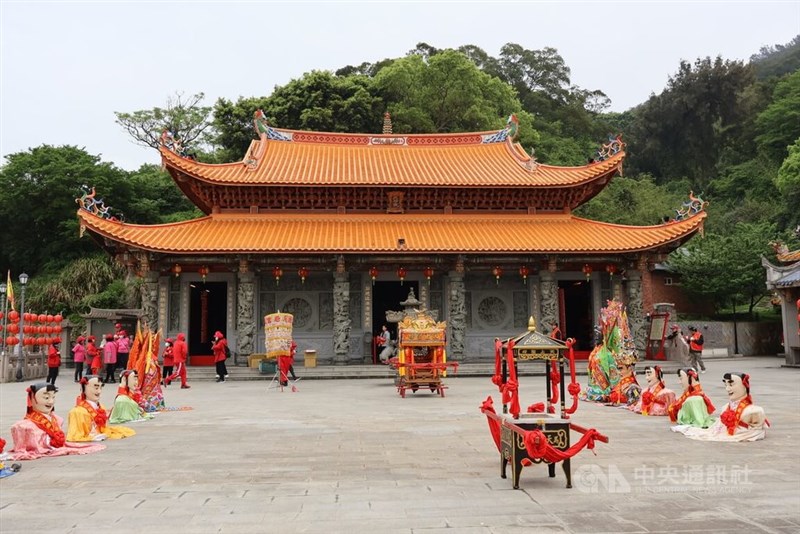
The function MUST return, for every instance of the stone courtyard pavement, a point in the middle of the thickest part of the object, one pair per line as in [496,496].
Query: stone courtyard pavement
[352,456]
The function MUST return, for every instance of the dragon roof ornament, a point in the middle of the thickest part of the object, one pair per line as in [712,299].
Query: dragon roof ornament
[88,201]
[615,145]
[691,207]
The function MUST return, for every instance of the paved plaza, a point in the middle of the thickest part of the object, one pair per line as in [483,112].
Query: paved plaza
[352,456]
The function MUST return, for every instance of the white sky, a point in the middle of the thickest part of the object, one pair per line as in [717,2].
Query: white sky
[66,67]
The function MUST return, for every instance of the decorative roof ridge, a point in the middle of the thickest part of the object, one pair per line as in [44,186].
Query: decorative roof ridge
[695,219]
[292,216]
[782,267]
[610,162]
[267,132]
[88,214]
[169,154]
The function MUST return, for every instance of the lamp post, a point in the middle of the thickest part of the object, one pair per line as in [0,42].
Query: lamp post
[23,281]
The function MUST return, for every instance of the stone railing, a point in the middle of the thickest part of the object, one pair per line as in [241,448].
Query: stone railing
[33,366]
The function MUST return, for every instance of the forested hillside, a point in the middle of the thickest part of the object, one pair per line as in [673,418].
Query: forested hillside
[727,130]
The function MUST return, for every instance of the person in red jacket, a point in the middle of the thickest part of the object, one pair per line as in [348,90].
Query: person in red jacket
[179,354]
[218,346]
[93,356]
[53,363]
[696,350]
[169,361]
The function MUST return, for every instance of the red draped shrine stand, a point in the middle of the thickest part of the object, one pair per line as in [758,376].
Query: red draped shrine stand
[540,435]
[421,356]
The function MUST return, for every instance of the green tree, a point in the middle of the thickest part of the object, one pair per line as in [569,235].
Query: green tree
[788,183]
[319,101]
[446,93]
[684,131]
[779,124]
[38,189]
[635,201]
[184,117]
[726,269]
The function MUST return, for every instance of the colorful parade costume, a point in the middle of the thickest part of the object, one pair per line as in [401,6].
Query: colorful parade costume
[616,345]
[40,433]
[656,398]
[88,420]
[143,358]
[627,391]
[741,421]
[693,407]
[126,405]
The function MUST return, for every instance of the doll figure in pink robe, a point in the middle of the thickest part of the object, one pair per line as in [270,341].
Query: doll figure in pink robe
[39,433]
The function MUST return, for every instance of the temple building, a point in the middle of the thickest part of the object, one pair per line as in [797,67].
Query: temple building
[337,229]
[783,278]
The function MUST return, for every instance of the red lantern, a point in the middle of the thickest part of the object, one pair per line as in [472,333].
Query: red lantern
[373,273]
[497,272]
[303,272]
[277,272]
[611,269]
[203,272]
[41,329]
[48,329]
[11,341]
[27,317]
[524,272]
[57,329]
[13,316]
[58,318]
[42,318]
[176,270]
[401,274]
[587,270]
[13,328]
[2,315]
[28,341]
[428,272]
[49,318]
[40,341]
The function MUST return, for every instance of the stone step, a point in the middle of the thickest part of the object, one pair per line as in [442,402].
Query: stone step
[331,372]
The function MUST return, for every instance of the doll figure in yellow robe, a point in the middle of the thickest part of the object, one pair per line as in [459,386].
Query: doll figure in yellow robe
[88,419]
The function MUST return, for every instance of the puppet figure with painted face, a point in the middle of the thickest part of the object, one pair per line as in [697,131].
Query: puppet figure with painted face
[126,405]
[88,419]
[693,408]
[627,391]
[741,421]
[656,397]
[39,433]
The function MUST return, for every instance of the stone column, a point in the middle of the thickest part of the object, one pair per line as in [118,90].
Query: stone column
[548,289]
[245,315]
[150,300]
[458,311]
[341,314]
[635,313]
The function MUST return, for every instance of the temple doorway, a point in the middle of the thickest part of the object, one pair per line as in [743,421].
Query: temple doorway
[575,300]
[387,296]
[208,303]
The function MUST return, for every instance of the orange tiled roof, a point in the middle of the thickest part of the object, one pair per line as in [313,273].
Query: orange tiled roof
[311,158]
[788,257]
[362,233]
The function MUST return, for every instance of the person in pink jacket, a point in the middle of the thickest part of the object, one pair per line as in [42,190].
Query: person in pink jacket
[110,358]
[79,353]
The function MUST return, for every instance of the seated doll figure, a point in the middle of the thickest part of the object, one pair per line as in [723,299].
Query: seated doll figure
[627,390]
[656,398]
[741,421]
[126,406]
[88,419]
[39,433]
[693,407]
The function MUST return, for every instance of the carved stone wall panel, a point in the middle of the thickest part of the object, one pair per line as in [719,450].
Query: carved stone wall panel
[521,309]
[150,300]
[636,312]
[548,286]
[246,322]
[458,315]
[326,311]
[341,318]
[303,307]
